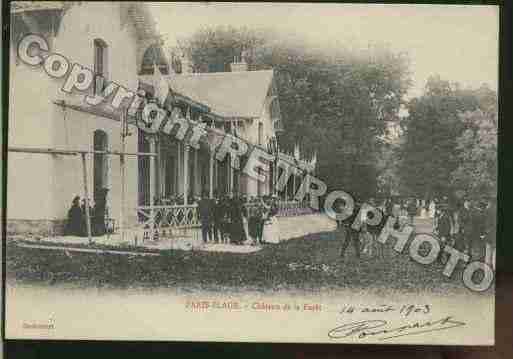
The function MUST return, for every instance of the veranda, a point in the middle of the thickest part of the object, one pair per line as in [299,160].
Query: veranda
[174,207]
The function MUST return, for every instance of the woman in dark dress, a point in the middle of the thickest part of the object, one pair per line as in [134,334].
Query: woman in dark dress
[444,226]
[75,218]
[252,215]
[237,225]
[224,214]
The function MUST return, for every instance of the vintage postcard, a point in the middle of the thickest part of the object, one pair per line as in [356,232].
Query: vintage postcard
[252,172]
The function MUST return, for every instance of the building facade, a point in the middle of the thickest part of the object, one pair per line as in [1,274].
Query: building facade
[110,38]
[49,128]
[242,103]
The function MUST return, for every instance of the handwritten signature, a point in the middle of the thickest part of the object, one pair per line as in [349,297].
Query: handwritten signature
[367,328]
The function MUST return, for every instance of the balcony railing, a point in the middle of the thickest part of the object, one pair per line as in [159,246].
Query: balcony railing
[293,208]
[167,221]
[287,208]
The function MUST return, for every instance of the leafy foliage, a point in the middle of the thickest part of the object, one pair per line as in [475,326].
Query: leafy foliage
[476,173]
[388,171]
[437,138]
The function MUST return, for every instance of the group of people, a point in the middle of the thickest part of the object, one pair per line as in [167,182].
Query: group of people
[238,220]
[465,224]
[76,224]
[468,225]
[402,208]
[363,237]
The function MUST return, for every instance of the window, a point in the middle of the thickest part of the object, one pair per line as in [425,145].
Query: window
[100,65]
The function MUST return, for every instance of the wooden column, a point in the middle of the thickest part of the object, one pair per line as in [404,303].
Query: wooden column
[230,176]
[211,175]
[186,179]
[306,178]
[286,189]
[216,174]
[86,195]
[152,185]
[122,175]
[293,185]
[274,191]
[179,164]
[197,178]
[185,173]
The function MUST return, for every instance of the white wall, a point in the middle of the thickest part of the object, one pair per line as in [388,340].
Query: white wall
[42,186]
[30,125]
[250,133]
[76,39]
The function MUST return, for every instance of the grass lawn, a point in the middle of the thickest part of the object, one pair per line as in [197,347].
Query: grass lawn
[307,263]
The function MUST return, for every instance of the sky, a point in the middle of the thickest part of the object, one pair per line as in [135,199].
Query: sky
[459,43]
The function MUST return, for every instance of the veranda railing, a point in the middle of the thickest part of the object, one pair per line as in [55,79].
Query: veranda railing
[161,221]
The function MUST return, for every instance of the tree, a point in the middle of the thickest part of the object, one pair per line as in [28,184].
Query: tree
[333,101]
[476,173]
[388,180]
[433,149]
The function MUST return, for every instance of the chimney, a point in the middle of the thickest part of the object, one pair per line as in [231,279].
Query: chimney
[238,64]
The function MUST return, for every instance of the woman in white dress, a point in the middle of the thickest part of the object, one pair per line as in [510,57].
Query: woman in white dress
[245,217]
[423,209]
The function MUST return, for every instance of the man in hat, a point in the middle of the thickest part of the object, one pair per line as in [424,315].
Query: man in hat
[205,208]
[348,233]
[411,208]
[237,234]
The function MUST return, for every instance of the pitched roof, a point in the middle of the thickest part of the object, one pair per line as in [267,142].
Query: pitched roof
[227,94]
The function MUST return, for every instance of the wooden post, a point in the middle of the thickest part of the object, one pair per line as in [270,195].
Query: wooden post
[230,176]
[185,173]
[86,195]
[275,176]
[286,188]
[197,180]
[307,196]
[179,165]
[293,185]
[216,174]
[211,175]
[122,175]
[152,186]
[276,170]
